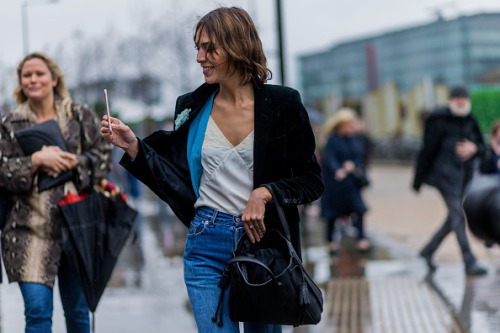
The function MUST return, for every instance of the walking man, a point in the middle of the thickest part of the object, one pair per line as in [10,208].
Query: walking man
[452,140]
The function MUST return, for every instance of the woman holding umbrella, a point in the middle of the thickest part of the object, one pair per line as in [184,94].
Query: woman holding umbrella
[234,139]
[31,238]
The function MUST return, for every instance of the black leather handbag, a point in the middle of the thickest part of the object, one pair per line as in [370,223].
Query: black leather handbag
[268,283]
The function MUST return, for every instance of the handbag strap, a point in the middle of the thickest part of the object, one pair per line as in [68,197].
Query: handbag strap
[281,214]
[254,261]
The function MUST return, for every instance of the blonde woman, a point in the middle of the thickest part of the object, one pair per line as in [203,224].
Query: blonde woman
[31,237]
[342,156]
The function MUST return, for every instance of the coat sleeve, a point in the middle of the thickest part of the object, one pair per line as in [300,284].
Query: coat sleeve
[305,183]
[330,159]
[15,168]
[477,138]
[432,137]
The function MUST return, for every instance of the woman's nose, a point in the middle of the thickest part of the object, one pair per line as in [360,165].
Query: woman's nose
[201,56]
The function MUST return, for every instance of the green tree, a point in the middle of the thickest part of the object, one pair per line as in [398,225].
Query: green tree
[486,107]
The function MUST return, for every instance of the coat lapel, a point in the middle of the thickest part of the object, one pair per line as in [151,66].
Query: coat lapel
[197,100]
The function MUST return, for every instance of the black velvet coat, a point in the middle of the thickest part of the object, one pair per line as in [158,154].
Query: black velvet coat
[283,155]
[437,163]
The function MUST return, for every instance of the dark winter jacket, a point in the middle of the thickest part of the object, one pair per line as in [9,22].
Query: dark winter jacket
[283,155]
[489,162]
[437,163]
[341,197]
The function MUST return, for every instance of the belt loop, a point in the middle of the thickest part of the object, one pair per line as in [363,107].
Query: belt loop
[214,216]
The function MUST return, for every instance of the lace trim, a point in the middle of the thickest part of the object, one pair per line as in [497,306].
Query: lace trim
[215,138]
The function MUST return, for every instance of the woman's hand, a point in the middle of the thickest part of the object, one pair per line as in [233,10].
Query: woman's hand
[253,216]
[340,174]
[349,166]
[122,136]
[52,160]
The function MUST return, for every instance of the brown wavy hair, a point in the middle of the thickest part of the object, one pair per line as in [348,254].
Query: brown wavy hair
[59,90]
[233,30]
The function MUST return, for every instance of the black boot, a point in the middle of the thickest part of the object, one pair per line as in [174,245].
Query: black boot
[475,270]
[428,260]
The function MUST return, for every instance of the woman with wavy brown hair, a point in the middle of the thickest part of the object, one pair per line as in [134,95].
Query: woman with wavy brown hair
[234,138]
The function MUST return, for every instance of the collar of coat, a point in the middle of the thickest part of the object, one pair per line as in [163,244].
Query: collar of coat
[23,111]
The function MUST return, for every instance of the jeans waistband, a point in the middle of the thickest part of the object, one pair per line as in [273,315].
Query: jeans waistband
[212,214]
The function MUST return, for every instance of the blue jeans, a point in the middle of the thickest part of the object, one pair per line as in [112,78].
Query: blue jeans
[211,239]
[38,304]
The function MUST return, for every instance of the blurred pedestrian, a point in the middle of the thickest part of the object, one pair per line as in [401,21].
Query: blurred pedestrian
[31,238]
[341,158]
[366,145]
[490,161]
[451,141]
[234,139]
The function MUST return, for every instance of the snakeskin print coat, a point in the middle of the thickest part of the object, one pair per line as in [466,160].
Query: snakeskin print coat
[31,238]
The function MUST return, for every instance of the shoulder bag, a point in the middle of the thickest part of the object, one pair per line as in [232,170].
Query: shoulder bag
[268,283]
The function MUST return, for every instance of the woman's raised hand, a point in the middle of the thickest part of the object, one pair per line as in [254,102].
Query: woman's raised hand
[122,136]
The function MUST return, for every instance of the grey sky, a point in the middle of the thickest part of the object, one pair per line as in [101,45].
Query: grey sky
[310,25]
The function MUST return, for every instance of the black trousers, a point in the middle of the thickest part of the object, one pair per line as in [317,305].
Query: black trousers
[455,221]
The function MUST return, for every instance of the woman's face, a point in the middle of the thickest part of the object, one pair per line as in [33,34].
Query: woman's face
[215,65]
[347,128]
[36,80]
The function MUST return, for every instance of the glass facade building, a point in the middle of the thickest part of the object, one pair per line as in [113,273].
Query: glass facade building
[456,51]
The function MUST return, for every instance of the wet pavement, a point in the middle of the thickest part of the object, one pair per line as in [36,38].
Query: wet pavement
[382,291]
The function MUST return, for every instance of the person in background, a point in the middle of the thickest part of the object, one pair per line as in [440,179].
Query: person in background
[451,141]
[366,145]
[234,139]
[341,157]
[31,237]
[490,161]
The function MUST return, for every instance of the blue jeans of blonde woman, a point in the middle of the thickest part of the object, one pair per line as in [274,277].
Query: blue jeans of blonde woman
[211,239]
[38,304]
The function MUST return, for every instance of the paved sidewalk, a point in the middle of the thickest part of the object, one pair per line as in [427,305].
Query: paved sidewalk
[401,222]
[147,293]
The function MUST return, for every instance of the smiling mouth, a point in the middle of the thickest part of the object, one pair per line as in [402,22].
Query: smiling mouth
[207,69]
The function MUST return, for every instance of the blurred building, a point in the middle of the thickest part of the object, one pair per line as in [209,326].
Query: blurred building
[394,77]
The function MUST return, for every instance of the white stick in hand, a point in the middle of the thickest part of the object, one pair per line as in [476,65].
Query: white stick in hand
[107,110]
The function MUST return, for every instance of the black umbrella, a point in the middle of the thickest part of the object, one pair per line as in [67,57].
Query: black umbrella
[94,232]
[482,208]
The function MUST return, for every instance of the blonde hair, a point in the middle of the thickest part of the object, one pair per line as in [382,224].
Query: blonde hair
[342,116]
[59,90]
